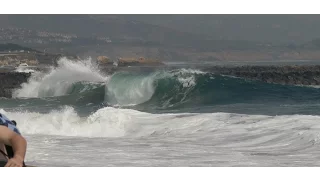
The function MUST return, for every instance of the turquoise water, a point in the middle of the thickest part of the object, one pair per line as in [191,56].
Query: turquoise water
[163,117]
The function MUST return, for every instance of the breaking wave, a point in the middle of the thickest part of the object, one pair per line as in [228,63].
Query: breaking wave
[160,89]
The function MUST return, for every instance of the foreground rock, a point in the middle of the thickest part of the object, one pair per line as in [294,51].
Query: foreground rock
[11,80]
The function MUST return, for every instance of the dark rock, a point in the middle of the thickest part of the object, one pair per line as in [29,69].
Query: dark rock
[290,75]
[11,80]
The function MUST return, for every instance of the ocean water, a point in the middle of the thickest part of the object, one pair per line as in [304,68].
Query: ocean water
[76,115]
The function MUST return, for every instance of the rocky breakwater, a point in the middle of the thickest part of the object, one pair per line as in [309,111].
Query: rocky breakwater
[10,81]
[138,62]
[289,75]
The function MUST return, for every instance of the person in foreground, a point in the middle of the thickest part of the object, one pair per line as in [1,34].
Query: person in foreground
[12,145]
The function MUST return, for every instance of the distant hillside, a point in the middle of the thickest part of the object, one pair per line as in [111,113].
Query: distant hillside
[167,37]
[175,28]
[252,27]
[14,47]
[65,31]
[108,26]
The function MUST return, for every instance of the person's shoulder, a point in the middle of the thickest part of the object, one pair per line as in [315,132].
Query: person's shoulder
[2,116]
[4,121]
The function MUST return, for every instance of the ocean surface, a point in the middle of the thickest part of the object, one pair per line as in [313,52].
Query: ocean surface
[76,115]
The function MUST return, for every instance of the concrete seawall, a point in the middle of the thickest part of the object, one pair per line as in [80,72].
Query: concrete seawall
[11,80]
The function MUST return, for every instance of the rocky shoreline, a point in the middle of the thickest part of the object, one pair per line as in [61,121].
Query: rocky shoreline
[287,75]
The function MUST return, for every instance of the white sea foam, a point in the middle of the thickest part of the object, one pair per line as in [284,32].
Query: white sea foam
[59,79]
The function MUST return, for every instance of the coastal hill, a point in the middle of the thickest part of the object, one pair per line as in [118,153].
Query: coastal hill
[270,28]
[8,47]
[14,55]
[198,38]
[49,30]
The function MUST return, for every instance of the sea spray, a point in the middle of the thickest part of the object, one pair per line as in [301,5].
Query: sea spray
[60,79]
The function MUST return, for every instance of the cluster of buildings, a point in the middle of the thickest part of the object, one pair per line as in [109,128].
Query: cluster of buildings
[20,35]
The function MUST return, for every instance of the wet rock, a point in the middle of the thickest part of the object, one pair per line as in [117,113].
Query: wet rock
[11,80]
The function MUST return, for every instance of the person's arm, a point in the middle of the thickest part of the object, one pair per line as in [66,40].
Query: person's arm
[18,143]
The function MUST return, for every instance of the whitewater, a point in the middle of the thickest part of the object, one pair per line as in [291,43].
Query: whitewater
[77,115]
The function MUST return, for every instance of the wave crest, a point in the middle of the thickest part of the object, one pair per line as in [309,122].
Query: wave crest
[59,80]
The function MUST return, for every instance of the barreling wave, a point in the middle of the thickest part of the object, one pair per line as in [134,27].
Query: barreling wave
[160,87]
[190,88]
